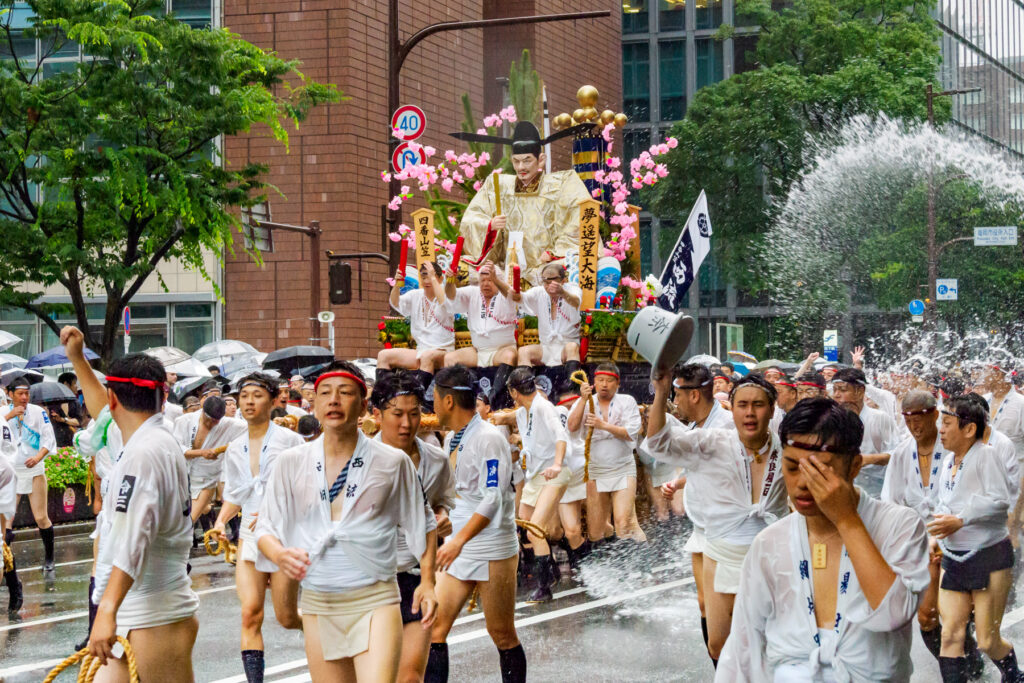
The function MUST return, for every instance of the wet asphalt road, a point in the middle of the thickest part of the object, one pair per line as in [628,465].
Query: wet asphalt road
[634,618]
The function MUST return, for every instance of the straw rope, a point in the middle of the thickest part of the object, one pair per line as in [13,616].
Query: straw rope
[91,665]
[532,528]
[8,558]
[221,546]
[580,377]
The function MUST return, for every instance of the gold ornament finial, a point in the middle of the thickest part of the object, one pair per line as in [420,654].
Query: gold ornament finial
[607,116]
[562,121]
[587,96]
[620,120]
[578,116]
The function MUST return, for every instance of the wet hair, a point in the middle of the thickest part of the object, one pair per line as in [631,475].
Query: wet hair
[484,398]
[837,429]
[607,367]
[979,399]
[695,375]
[811,378]
[523,381]
[436,267]
[308,425]
[556,268]
[134,398]
[262,381]
[851,376]
[952,386]
[278,412]
[214,407]
[231,398]
[19,383]
[456,381]
[396,383]
[967,411]
[727,364]
[758,381]
[67,378]
[344,366]
[917,400]
[190,401]
[294,396]
[214,369]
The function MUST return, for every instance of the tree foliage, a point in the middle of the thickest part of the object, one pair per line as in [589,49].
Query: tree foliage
[108,166]
[819,63]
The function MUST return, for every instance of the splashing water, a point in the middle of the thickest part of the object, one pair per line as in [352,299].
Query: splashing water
[859,178]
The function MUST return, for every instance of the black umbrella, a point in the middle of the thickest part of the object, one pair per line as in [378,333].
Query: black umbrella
[50,392]
[8,376]
[294,357]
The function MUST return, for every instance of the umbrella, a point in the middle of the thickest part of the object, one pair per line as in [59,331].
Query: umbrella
[189,367]
[312,370]
[291,358]
[168,355]
[184,387]
[703,359]
[7,340]
[50,392]
[220,352]
[8,376]
[13,360]
[742,357]
[55,356]
[243,364]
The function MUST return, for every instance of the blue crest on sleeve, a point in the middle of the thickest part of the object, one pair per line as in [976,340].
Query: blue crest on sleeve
[492,474]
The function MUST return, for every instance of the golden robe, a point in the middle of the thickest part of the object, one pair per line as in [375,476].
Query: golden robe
[548,217]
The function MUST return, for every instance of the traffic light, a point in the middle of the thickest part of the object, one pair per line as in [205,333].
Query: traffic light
[340,278]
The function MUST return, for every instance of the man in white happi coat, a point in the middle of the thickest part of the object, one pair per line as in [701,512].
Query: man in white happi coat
[142,585]
[827,594]
[880,433]
[483,550]
[248,464]
[32,432]
[330,519]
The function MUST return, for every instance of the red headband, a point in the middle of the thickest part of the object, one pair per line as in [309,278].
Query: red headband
[723,377]
[340,373]
[810,384]
[567,400]
[786,384]
[606,372]
[145,383]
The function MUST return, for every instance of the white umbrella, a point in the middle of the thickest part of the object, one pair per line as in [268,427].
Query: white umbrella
[189,367]
[15,361]
[220,352]
[168,355]
[7,340]
[703,359]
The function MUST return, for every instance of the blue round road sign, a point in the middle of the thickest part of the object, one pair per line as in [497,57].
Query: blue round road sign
[916,307]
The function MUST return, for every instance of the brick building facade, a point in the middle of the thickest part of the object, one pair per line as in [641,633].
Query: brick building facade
[331,171]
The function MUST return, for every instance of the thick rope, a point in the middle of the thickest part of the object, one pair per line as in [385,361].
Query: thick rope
[532,528]
[474,598]
[91,665]
[221,545]
[580,377]
[8,558]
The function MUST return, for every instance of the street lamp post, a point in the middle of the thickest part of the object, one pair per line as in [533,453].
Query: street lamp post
[933,250]
[397,53]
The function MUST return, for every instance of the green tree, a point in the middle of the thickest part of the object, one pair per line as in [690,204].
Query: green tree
[108,166]
[744,140]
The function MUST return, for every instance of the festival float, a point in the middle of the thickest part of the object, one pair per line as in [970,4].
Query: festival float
[582,217]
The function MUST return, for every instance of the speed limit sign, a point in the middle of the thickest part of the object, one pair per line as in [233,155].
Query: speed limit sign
[408,122]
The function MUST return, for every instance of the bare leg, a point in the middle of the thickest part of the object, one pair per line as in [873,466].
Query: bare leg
[572,522]
[451,595]
[415,650]
[498,599]
[955,612]
[380,662]
[284,593]
[251,586]
[163,654]
[37,501]
[989,605]
[505,355]
[570,351]
[321,670]
[624,506]
[432,360]
[531,355]
[199,504]
[598,512]
[388,359]
[466,356]
[719,610]
[697,561]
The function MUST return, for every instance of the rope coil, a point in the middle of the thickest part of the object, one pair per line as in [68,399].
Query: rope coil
[216,544]
[535,529]
[8,558]
[580,377]
[91,665]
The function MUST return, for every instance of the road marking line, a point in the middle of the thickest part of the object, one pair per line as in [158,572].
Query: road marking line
[25,668]
[59,564]
[480,633]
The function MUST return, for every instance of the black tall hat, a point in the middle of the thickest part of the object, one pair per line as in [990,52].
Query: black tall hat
[525,137]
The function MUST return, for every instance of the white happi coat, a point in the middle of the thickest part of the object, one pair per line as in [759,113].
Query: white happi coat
[202,472]
[241,486]
[890,405]
[575,450]
[541,430]
[1003,447]
[608,451]
[484,486]
[431,322]
[978,495]
[492,324]
[8,488]
[32,432]
[564,327]
[145,529]
[8,445]
[100,442]
[903,484]
[774,634]
[382,493]
[1009,419]
[438,481]
[718,466]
